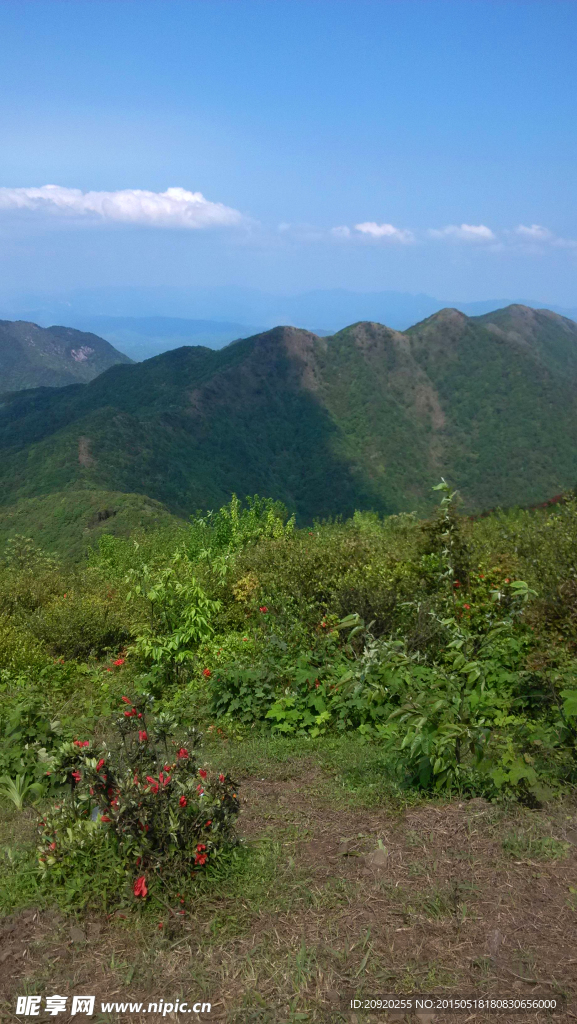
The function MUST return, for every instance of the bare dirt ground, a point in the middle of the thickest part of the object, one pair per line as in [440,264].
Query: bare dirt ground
[454,898]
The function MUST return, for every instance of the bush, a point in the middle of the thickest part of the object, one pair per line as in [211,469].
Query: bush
[77,625]
[145,801]
[20,650]
[27,739]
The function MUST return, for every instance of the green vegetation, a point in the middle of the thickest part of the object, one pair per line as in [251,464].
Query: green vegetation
[367,419]
[68,523]
[35,357]
[378,666]
[447,645]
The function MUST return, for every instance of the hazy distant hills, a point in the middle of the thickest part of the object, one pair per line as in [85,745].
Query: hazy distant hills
[368,418]
[144,337]
[234,309]
[32,356]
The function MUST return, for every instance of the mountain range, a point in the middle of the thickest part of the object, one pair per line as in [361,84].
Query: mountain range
[226,306]
[33,356]
[369,417]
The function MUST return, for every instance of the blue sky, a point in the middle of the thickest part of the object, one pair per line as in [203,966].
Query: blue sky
[412,146]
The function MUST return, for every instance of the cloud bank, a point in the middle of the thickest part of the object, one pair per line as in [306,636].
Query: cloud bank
[175,208]
[465,233]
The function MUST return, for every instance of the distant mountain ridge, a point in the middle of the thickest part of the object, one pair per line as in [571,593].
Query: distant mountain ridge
[145,337]
[370,417]
[33,356]
[330,308]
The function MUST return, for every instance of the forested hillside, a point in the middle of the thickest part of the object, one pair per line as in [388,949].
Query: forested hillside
[368,418]
[33,357]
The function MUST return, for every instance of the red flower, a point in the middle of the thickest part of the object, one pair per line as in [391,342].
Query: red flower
[65,595]
[199,790]
[221,777]
[200,846]
[52,846]
[263,609]
[201,859]
[126,700]
[103,817]
[140,714]
[81,743]
[456,583]
[165,779]
[206,672]
[120,661]
[208,823]
[481,575]
[76,775]
[202,773]
[140,887]
[142,735]
[152,783]
[507,581]
[100,764]
[467,606]
[182,753]
[183,801]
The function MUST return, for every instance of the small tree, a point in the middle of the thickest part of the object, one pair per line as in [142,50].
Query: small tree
[180,616]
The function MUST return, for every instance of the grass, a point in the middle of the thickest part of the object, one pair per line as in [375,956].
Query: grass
[535,847]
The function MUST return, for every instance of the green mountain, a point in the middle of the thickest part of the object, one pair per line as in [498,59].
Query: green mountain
[68,522]
[367,418]
[33,357]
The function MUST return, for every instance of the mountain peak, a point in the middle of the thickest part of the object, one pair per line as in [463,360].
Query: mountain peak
[33,356]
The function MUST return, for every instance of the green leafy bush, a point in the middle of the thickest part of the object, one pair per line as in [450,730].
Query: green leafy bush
[27,740]
[77,625]
[179,615]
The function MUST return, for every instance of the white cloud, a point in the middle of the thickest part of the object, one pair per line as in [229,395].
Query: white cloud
[535,232]
[384,231]
[565,243]
[465,233]
[342,231]
[175,208]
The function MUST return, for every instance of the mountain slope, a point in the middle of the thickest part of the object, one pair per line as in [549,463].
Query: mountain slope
[145,337]
[32,356]
[370,417]
[68,522]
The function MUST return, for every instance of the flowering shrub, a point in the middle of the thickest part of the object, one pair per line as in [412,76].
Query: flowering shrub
[145,799]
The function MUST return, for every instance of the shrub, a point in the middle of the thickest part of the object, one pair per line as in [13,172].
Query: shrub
[145,801]
[29,578]
[77,625]
[20,650]
[179,615]
[28,738]
[244,694]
